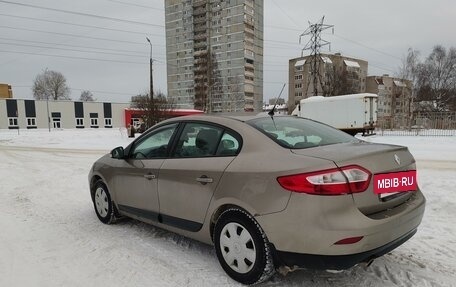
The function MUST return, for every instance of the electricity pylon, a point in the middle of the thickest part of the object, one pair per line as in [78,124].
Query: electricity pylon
[314,45]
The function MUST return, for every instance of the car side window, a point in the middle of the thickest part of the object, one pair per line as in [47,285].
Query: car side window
[228,146]
[198,140]
[155,144]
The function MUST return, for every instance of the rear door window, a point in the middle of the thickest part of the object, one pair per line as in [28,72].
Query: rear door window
[205,140]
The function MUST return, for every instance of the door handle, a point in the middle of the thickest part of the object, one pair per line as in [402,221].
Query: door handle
[149,176]
[204,180]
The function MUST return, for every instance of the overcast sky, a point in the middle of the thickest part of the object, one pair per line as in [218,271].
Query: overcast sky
[109,55]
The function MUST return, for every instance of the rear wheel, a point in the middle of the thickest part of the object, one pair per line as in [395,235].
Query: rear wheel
[242,247]
[102,203]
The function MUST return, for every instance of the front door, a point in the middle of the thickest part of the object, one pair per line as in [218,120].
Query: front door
[137,177]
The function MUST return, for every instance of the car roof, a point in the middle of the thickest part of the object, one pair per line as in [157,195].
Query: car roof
[242,117]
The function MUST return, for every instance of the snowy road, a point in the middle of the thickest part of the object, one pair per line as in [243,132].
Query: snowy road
[50,236]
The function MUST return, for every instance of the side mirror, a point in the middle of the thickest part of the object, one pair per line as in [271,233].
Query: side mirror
[118,153]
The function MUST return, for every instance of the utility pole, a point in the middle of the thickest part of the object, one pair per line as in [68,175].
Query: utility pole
[314,45]
[209,58]
[47,109]
[151,70]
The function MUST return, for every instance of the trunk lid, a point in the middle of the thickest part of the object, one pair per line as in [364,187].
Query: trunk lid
[378,159]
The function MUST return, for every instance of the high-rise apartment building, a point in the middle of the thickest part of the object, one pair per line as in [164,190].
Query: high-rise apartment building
[215,54]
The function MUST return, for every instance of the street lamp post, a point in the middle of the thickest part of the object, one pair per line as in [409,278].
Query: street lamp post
[151,70]
[151,61]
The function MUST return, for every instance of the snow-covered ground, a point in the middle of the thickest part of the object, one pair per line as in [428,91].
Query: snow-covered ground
[50,235]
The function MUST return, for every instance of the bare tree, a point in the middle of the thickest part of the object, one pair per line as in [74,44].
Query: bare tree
[338,82]
[208,85]
[233,98]
[51,85]
[153,111]
[410,66]
[409,71]
[86,96]
[437,78]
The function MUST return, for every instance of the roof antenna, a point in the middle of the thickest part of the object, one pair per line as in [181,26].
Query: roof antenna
[271,112]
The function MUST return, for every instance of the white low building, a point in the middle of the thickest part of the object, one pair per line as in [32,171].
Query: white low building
[32,114]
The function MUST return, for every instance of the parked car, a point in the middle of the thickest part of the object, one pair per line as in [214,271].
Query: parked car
[267,192]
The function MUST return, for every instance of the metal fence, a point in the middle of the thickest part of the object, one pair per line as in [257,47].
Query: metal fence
[421,124]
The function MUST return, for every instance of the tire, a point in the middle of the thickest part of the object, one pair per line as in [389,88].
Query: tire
[102,203]
[242,247]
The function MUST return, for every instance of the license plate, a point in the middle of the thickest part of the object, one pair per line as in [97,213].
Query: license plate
[387,183]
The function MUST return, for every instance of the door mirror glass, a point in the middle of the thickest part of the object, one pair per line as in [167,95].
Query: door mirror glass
[118,153]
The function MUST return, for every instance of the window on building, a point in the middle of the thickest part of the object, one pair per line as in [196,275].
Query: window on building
[298,77]
[94,122]
[108,123]
[298,86]
[12,122]
[31,122]
[79,122]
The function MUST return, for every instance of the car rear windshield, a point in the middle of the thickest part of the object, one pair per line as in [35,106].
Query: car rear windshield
[299,133]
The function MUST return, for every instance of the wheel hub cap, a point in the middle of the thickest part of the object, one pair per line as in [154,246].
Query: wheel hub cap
[101,202]
[237,247]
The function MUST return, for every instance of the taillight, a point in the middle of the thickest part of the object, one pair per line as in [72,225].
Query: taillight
[337,181]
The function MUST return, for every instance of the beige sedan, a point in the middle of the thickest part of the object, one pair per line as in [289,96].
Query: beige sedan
[267,192]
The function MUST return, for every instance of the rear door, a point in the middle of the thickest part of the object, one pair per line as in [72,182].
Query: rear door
[189,178]
[370,111]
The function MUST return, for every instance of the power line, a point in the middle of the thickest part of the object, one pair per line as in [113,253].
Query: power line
[94,38]
[103,60]
[285,13]
[278,43]
[79,89]
[82,14]
[74,35]
[365,46]
[81,25]
[73,57]
[136,5]
[283,43]
[73,50]
[73,46]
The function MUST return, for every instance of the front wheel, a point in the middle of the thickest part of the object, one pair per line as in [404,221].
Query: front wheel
[102,203]
[242,247]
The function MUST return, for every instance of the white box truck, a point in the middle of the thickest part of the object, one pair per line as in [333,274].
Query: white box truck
[354,113]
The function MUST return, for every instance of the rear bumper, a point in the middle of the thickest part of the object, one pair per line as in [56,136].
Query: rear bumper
[336,262]
[312,225]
